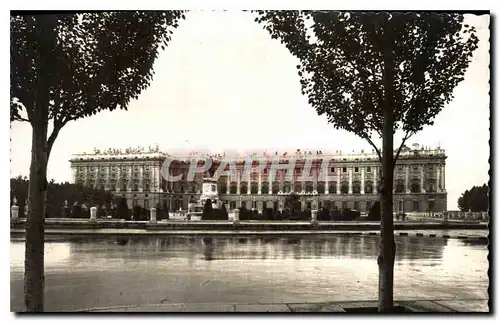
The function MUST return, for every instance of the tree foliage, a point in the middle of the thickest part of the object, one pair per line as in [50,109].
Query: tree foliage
[122,210]
[292,202]
[58,194]
[65,67]
[475,199]
[372,74]
[99,61]
[341,64]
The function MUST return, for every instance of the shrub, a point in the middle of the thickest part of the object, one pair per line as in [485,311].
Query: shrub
[349,215]
[374,213]
[122,211]
[141,214]
[219,214]
[335,215]
[324,214]
[246,214]
[207,211]
[269,214]
[224,211]
[77,211]
[255,215]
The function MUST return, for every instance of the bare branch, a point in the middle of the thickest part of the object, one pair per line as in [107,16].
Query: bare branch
[375,147]
[20,119]
[406,137]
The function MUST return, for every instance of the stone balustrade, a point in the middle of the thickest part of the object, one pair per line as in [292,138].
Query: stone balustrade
[449,215]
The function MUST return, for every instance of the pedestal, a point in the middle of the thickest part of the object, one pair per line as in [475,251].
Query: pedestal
[152,217]
[93,213]
[314,217]
[14,212]
[236,216]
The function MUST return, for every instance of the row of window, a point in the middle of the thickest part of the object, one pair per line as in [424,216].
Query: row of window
[331,206]
[113,168]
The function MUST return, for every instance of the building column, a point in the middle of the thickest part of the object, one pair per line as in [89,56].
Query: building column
[108,178]
[130,179]
[292,183]
[443,170]
[375,185]
[249,183]
[338,180]
[438,176]
[118,178]
[407,174]
[327,188]
[238,181]
[86,176]
[422,190]
[259,191]
[141,178]
[228,190]
[315,179]
[156,177]
[73,174]
[281,179]
[96,181]
[349,171]
[362,180]
[270,181]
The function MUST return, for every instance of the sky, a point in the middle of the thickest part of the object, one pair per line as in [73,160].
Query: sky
[224,84]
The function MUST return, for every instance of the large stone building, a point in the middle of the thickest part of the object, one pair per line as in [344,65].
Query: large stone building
[347,181]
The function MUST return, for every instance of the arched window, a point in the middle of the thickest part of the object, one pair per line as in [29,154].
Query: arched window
[309,187]
[332,187]
[265,188]
[356,187]
[233,187]
[368,187]
[344,187]
[431,185]
[321,187]
[287,187]
[223,188]
[400,186]
[254,188]
[415,186]
[297,187]
[243,188]
[276,187]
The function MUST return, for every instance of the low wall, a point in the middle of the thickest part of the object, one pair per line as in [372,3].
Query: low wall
[450,215]
[248,225]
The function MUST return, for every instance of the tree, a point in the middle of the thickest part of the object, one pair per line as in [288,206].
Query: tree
[292,202]
[374,213]
[207,210]
[224,210]
[58,194]
[69,66]
[372,74]
[122,210]
[475,199]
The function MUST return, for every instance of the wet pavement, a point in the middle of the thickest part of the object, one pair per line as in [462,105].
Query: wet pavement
[173,270]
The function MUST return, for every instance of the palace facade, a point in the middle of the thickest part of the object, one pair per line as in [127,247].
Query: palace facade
[347,180]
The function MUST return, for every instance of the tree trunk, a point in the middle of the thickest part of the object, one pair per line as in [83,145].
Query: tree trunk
[34,253]
[387,245]
[34,256]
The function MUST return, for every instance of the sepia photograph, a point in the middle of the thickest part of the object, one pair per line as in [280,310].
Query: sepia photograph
[244,161]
